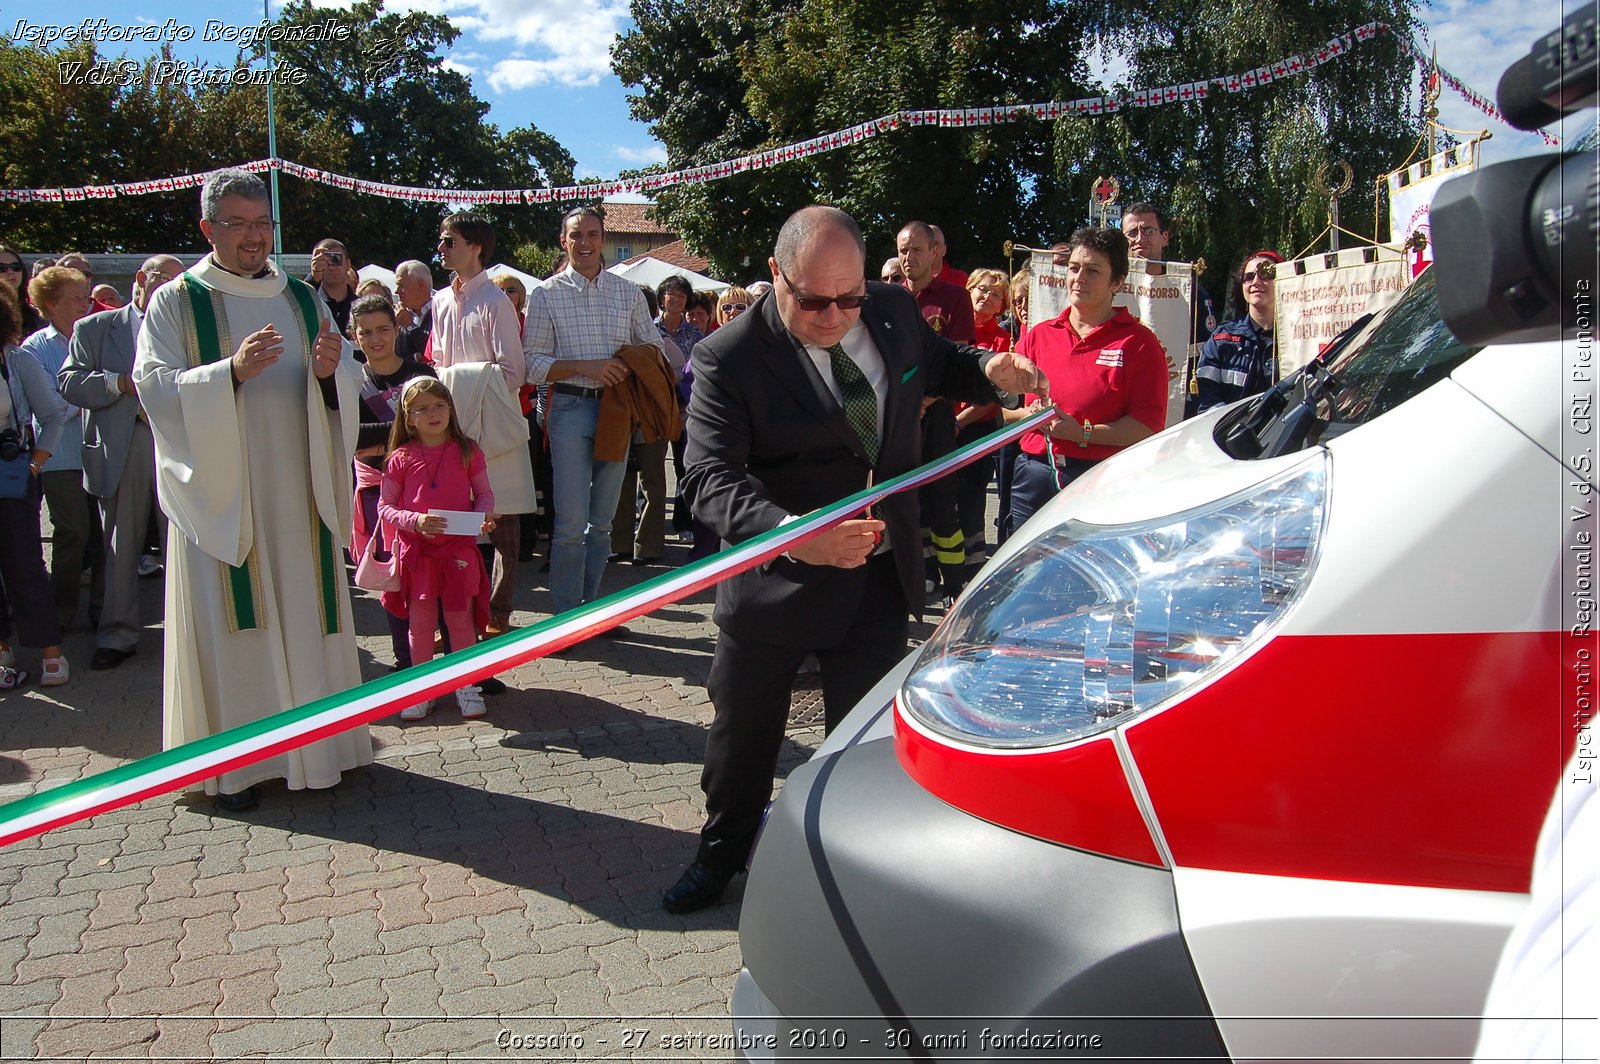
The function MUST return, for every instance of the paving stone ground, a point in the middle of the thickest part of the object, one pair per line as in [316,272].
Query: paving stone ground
[486,890]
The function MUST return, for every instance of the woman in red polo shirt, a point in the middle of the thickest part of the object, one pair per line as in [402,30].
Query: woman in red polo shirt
[1108,376]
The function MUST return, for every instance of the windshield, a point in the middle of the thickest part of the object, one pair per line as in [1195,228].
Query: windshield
[1369,371]
[1398,354]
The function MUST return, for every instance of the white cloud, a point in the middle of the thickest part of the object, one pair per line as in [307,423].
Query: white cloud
[645,156]
[556,41]
[452,63]
[1477,40]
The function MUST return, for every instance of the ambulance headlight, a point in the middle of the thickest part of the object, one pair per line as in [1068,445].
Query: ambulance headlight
[1092,624]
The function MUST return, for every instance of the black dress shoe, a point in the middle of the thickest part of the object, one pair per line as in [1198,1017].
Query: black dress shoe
[492,686]
[701,886]
[652,560]
[618,556]
[109,658]
[239,802]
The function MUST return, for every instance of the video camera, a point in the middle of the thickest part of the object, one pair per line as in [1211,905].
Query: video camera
[1515,243]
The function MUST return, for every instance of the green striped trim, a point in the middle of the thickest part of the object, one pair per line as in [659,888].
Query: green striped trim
[242,583]
[323,556]
[239,582]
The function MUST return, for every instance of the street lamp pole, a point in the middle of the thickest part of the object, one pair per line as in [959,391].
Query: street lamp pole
[272,143]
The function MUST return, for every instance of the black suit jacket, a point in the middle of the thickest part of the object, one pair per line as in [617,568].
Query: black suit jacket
[767,439]
[414,341]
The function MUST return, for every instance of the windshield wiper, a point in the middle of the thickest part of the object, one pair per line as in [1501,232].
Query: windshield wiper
[1246,432]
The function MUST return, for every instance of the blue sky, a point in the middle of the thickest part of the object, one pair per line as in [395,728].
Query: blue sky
[547,61]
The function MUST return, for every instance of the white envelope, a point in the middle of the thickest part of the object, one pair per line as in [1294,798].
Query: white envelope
[460,522]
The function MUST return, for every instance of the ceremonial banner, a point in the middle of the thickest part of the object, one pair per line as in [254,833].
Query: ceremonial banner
[1411,193]
[1163,302]
[1319,296]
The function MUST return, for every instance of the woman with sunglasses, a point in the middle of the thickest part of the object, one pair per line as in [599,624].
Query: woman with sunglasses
[733,302]
[1240,359]
[13,273]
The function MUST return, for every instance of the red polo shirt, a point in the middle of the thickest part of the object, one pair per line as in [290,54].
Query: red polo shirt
[1118,370]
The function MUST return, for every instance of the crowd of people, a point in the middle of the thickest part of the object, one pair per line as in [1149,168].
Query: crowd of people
[440,434]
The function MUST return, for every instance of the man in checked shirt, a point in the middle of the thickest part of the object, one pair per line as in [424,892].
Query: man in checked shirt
[576,322]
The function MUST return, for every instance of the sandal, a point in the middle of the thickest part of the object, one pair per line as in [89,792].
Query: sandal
[55,672]
[12,677]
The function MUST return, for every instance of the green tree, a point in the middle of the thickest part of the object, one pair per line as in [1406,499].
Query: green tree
[768,74]
[376,104]
[1239,171]
[407,120]
[718,78]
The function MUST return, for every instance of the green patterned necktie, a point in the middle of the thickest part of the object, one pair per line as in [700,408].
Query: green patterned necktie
[860,401]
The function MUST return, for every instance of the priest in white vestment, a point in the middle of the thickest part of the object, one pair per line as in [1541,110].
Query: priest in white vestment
[254,413]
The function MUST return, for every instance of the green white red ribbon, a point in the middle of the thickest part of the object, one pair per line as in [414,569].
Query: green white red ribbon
[281,732]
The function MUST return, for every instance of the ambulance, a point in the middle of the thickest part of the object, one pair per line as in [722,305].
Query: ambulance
[1238,750]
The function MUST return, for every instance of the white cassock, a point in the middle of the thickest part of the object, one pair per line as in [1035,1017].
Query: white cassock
[245,475]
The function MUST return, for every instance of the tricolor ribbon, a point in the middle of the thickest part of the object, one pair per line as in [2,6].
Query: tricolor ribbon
[245,745]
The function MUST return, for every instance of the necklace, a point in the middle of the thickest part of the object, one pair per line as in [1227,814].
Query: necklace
[433,474]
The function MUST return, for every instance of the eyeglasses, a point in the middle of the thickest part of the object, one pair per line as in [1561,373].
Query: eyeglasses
[992,289]
[12,267]
[1267,271]
[894,278]
[736,308]
[1143,230]
[818,304]
[447,241]
[260,225]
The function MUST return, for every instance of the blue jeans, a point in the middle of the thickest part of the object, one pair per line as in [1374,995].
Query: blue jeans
[585,494]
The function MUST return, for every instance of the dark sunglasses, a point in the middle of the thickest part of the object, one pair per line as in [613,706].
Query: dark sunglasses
[448,241]
[894,278]
[1267,271]
[817,304]
[11,267]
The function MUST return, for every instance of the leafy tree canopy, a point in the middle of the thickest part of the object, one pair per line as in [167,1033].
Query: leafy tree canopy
[378,104]
[717,78]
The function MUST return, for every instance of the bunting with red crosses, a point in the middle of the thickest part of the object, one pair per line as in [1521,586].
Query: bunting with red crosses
[953,118]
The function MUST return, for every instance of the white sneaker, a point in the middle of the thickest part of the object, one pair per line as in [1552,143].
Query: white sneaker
[55,672]
[471,702]
[418,711]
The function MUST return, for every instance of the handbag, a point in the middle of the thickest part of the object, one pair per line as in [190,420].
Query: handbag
[378,574]
[14,475]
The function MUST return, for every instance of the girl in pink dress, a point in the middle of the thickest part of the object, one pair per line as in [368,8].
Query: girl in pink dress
[433,466]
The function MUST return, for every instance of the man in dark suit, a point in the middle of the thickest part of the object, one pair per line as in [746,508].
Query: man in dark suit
[807,398]
[413,290]
[119,462]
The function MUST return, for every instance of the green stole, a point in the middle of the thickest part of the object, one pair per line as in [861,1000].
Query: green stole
[207,319]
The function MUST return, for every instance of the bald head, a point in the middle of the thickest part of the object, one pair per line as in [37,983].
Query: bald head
[810,227]
[156,271]
[819,259]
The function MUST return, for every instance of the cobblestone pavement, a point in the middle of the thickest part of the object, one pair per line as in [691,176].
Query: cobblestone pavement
[486,890]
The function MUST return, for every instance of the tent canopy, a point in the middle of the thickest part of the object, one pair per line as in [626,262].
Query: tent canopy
[500,269]
[651,272]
